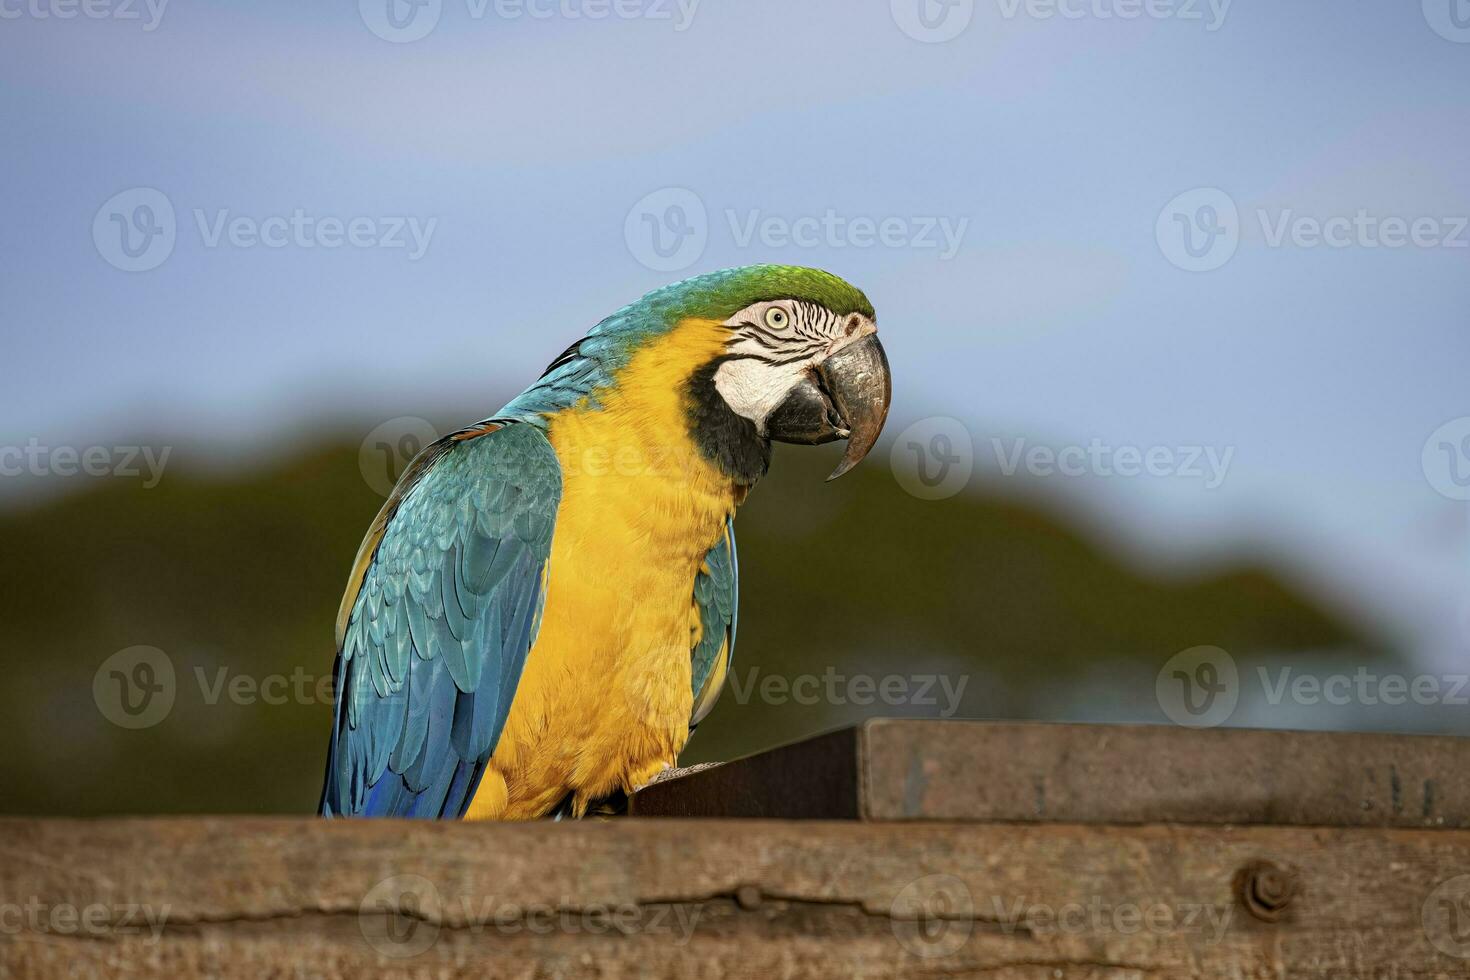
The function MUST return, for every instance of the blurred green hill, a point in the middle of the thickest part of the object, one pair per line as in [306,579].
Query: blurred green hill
[236,577]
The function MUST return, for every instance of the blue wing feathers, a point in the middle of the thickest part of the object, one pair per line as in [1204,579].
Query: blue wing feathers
[715,592]
[441,626]
[734,592]
[446,614]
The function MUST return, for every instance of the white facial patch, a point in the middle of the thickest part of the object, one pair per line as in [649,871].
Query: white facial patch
[753,388]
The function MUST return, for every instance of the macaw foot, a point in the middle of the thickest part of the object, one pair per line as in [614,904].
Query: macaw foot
[615,804]
[575,805]
[657,775]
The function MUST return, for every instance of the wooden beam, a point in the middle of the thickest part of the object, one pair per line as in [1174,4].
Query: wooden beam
[675,898]
[1105,774]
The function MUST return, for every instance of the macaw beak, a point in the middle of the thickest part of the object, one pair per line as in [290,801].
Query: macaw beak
[844,397]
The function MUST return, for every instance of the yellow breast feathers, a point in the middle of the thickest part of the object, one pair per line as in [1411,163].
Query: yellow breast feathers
[604,702]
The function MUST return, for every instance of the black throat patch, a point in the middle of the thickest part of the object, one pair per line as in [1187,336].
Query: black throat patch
[728,440]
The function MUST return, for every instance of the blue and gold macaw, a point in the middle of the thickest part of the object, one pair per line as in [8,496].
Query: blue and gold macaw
[545,607]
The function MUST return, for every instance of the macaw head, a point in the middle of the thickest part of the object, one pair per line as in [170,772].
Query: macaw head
[760,353]
[800,362]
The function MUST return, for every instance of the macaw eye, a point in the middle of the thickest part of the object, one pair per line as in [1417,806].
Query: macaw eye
[777,319]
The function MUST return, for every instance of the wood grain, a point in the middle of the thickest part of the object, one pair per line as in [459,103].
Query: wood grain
[1106,774]
[714,898]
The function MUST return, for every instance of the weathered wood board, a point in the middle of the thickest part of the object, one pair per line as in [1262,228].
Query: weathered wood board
[1107,774]
[711,898]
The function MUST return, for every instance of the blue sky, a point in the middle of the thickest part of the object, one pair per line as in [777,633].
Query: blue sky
[520,144]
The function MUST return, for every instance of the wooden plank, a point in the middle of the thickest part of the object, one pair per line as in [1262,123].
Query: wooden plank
[1109,774]
[675,898]
[816,779]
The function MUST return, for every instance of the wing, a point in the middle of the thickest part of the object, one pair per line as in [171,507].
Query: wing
[443,605]
[716,594]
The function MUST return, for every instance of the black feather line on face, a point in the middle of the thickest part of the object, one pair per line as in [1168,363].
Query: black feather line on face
[728,440]
[769,343]
[801,355]
[791,357]
[803,339]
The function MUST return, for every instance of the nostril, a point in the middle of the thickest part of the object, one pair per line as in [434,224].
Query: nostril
[853,322]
